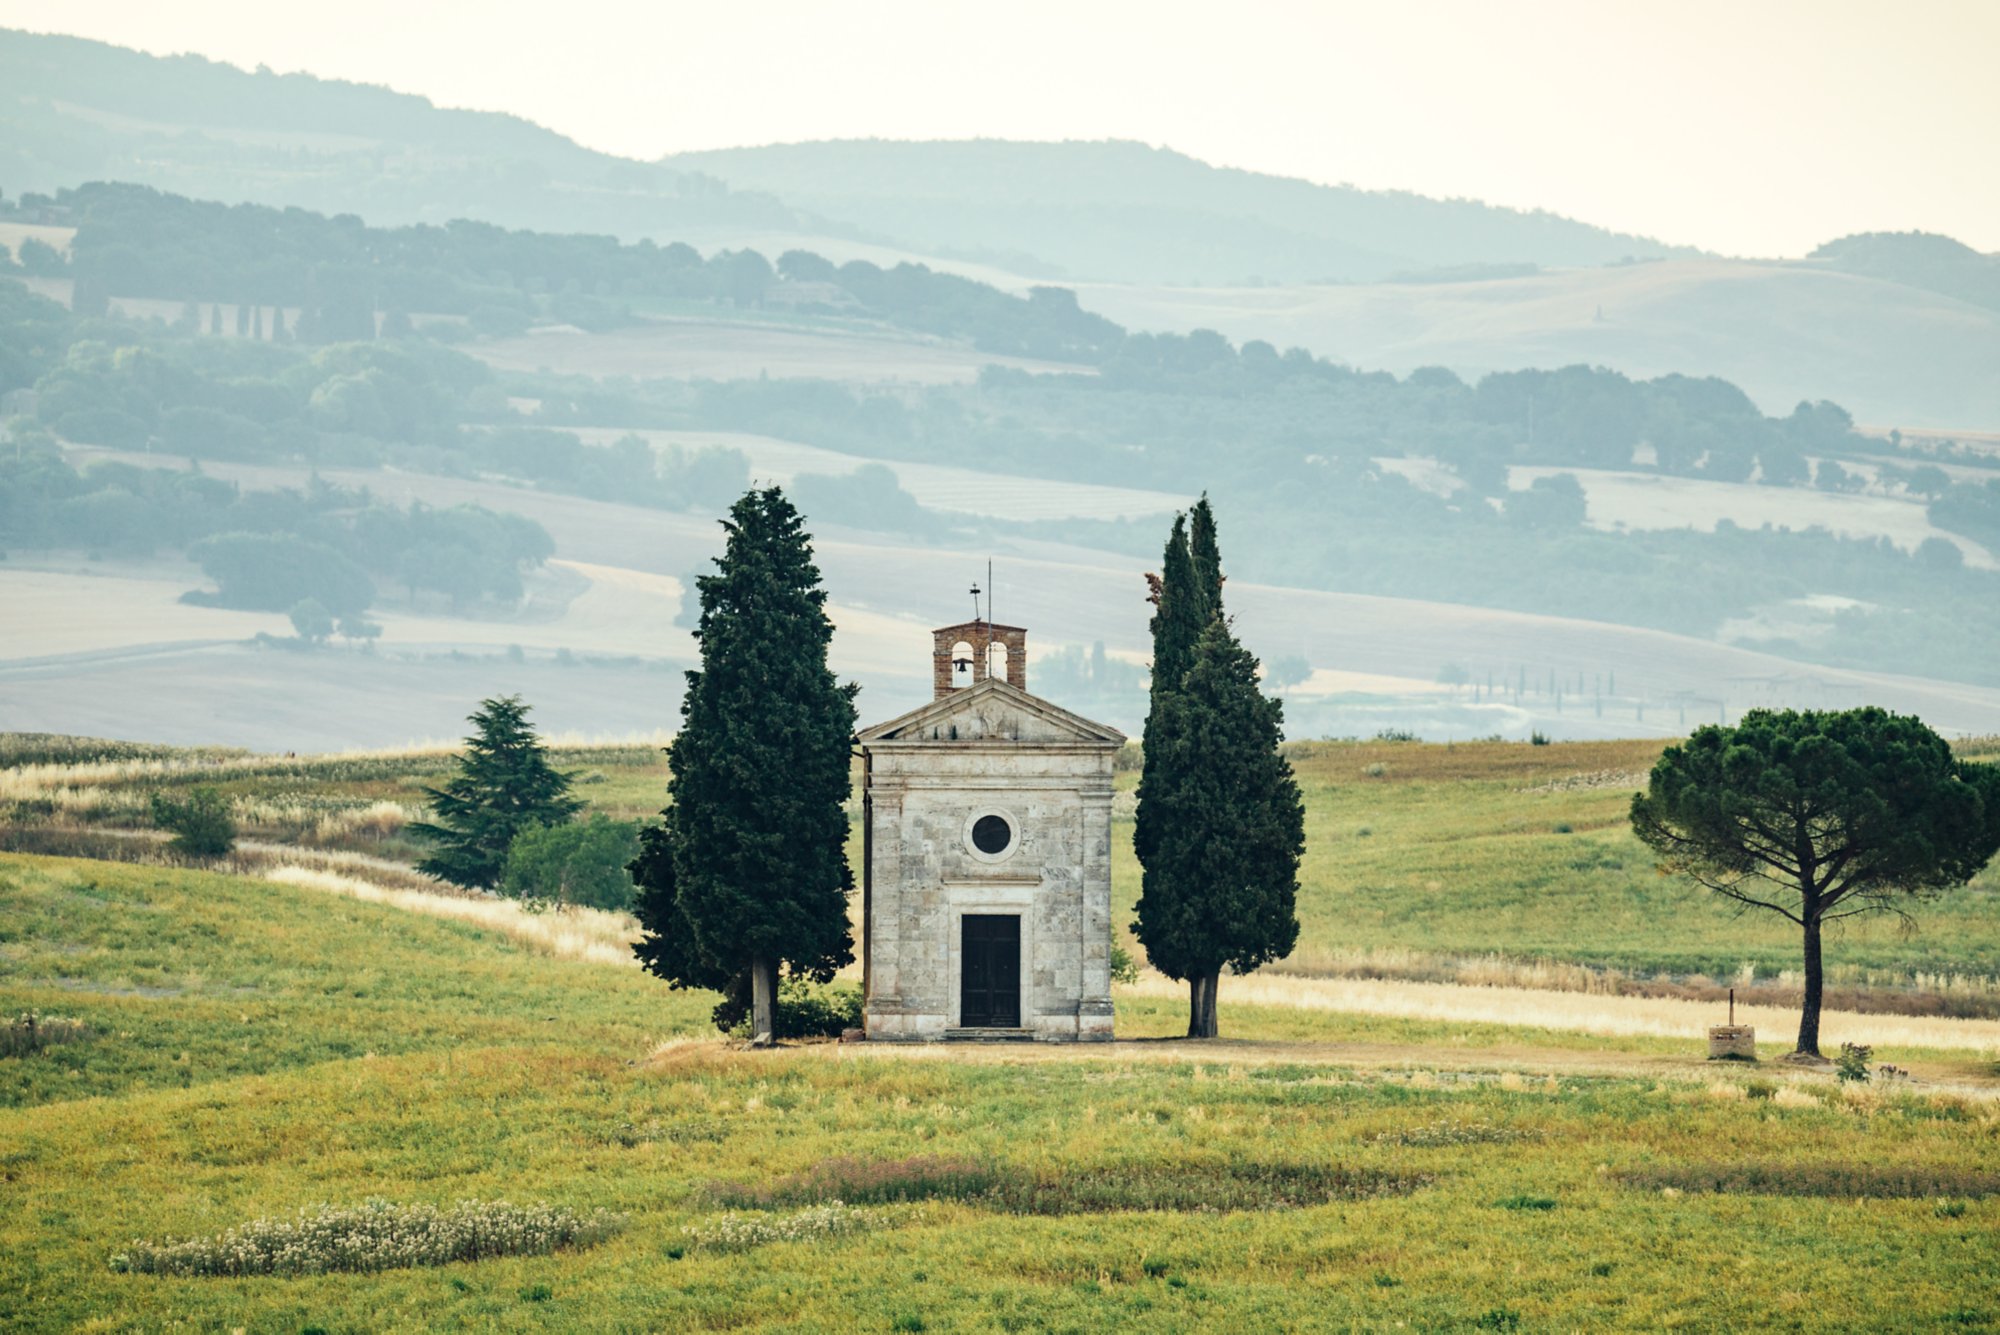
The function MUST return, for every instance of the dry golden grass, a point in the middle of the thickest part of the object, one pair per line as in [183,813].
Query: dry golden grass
[590,935]
[1610,1016]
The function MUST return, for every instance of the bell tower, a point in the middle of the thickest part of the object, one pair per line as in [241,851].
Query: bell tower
[970,652]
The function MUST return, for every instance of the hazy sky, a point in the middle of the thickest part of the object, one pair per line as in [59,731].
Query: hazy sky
[1746,126]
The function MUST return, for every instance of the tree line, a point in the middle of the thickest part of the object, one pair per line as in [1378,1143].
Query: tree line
[134,241]
[1297,437]
[270,550]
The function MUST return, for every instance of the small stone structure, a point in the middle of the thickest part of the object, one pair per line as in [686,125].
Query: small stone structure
[1732,1042]
[986,881]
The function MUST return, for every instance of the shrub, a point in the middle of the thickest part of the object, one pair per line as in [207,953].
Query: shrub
[1852,1063]
[1124,969]
[28,1034]
[804,1010]
[377,1235]
[1537,738]
[1525,1202]
[578,862]
[200,822]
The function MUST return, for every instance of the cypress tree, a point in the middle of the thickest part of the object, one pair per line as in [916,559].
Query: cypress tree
[1205,555]
[748,868]
[1228,828]
[1178,616]
[504,785]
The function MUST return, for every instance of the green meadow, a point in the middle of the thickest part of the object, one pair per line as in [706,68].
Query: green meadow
[253,1049]
[1420,858]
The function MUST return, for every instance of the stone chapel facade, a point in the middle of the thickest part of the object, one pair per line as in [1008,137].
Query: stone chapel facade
[986,863]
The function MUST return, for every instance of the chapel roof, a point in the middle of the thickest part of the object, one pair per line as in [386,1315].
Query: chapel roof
[921,722]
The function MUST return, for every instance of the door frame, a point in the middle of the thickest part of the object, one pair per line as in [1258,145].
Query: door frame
[985,900]
[1000,981]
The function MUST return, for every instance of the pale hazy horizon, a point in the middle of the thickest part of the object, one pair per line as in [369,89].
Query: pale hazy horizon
[1747,130]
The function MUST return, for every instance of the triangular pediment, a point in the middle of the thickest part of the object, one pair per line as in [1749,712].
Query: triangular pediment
[991,710]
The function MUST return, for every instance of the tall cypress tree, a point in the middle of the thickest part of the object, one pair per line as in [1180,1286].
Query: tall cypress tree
[748,869]
[1229,828]
[504,785]
[1178,616]
[1205,554]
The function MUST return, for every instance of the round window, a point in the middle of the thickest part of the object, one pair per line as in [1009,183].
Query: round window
[992,834]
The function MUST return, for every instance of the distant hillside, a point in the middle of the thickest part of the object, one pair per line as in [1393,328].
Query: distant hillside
[1918,259]
[1124,212]
[1892,351]
[75,110]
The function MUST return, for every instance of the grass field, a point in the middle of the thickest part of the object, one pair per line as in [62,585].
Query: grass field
[254,1049]
[1474,863]
[1622,500]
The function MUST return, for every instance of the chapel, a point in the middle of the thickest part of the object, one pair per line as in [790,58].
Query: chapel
[986,856]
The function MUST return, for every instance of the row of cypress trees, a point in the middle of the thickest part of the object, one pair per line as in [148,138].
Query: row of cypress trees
[1221,824]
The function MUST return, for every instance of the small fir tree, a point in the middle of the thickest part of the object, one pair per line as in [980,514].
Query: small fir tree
[504,785]
[748,869]
[1230,828]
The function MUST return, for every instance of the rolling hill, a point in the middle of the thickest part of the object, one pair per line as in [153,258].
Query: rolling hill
[1891,352]
[1126,212]
[77,110]
[1902,330]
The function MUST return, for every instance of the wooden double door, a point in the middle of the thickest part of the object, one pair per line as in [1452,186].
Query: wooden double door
[989,994]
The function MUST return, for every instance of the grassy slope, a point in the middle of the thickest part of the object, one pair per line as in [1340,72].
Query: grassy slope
[472,1091]
[1458,850]
[1463,855]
